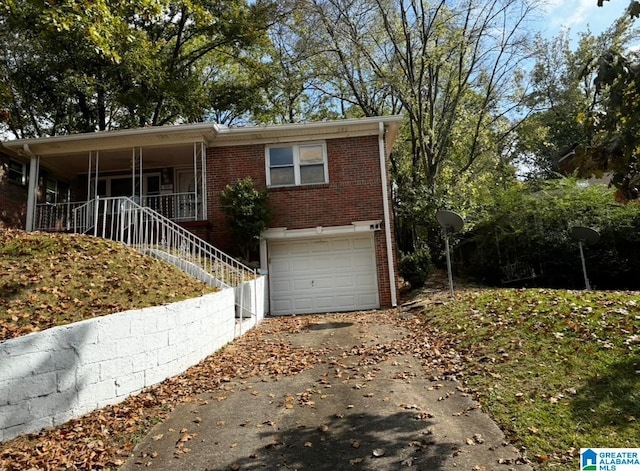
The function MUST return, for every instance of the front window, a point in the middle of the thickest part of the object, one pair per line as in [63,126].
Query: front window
[51,190]
[124,186]
[17,172]
[297,165]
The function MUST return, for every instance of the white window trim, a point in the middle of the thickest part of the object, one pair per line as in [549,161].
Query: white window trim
[296,163]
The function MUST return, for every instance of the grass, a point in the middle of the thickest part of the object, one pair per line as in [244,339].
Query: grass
[56,279]
[558,370]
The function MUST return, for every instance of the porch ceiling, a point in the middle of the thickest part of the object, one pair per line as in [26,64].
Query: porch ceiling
[165,146]
[119,159]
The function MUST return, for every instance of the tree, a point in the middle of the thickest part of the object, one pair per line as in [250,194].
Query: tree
[444,66]
[611,134]
[633,9]
[616,145]
[248,214]
[562,95]
[85,66]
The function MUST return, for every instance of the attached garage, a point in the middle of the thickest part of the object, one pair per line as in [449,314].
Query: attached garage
[323,274]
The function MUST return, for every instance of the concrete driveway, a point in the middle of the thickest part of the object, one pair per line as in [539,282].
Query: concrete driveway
[358,399]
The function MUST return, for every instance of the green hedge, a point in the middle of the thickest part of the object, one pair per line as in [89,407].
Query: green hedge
[415,267]
[524,239]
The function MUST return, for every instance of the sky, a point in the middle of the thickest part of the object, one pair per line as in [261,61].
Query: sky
[580,15]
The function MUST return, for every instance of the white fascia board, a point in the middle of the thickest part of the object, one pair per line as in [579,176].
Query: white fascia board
[281,133]
[310,232]
[155,136]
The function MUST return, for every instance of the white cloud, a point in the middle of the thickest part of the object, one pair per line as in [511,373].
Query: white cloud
[578,15]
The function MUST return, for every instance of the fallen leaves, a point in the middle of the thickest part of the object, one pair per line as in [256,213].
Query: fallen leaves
[55,279]
[105,438]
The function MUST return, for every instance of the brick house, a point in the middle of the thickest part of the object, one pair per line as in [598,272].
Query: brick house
[331,245]
[13,189]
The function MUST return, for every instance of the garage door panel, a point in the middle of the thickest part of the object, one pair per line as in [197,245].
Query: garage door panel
[338,264]
[281,266]
[319,247]
[346,300]
[327,303]
[362,260]
[302,285]
[298,249]
[363,243]
[341,245]
[299,265]
[370,299]
[322,283]
[344,281]
[364,280]
[303,304]
[282,305]
[281,286]
[335,274]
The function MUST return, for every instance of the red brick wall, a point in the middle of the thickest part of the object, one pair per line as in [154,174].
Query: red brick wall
[352,194]
[13,200]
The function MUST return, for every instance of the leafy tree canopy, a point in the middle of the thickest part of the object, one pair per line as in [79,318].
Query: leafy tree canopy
[77,66]
[563,96]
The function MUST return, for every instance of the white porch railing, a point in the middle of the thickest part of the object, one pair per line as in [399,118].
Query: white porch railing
[175,206]
[60,217]
[55,217]
[123,220]
[83,217]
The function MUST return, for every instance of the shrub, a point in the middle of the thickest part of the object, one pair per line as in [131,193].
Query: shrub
[248,214]
[415,267]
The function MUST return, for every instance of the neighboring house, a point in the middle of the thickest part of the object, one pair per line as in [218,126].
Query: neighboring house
[331,245]
[13,189]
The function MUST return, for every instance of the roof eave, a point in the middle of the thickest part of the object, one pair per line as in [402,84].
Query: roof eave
[277,133]
[119,139]
[209,133]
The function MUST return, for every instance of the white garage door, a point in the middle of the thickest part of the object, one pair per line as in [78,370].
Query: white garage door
[323,275]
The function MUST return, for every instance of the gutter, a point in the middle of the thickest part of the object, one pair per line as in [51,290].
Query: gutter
[387,212]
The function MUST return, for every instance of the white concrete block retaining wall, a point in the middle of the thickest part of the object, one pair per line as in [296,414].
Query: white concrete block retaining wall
[50,377]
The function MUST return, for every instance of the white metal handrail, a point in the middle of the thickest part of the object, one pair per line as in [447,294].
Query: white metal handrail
[123,220]
[83,217]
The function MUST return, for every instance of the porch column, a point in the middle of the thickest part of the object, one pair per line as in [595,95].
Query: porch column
[203,176]
[136,164]
[200,185]
[195,178]
[92,185]
[32,195]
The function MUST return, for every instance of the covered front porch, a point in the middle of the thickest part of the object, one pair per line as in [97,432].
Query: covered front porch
[164,169]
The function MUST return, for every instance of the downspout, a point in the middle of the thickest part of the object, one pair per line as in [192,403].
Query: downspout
[195,178]
[387,212]
[203,178]
[34,170]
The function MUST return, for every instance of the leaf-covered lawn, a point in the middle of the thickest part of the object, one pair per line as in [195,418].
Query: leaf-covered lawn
[55,279]
[558,370]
